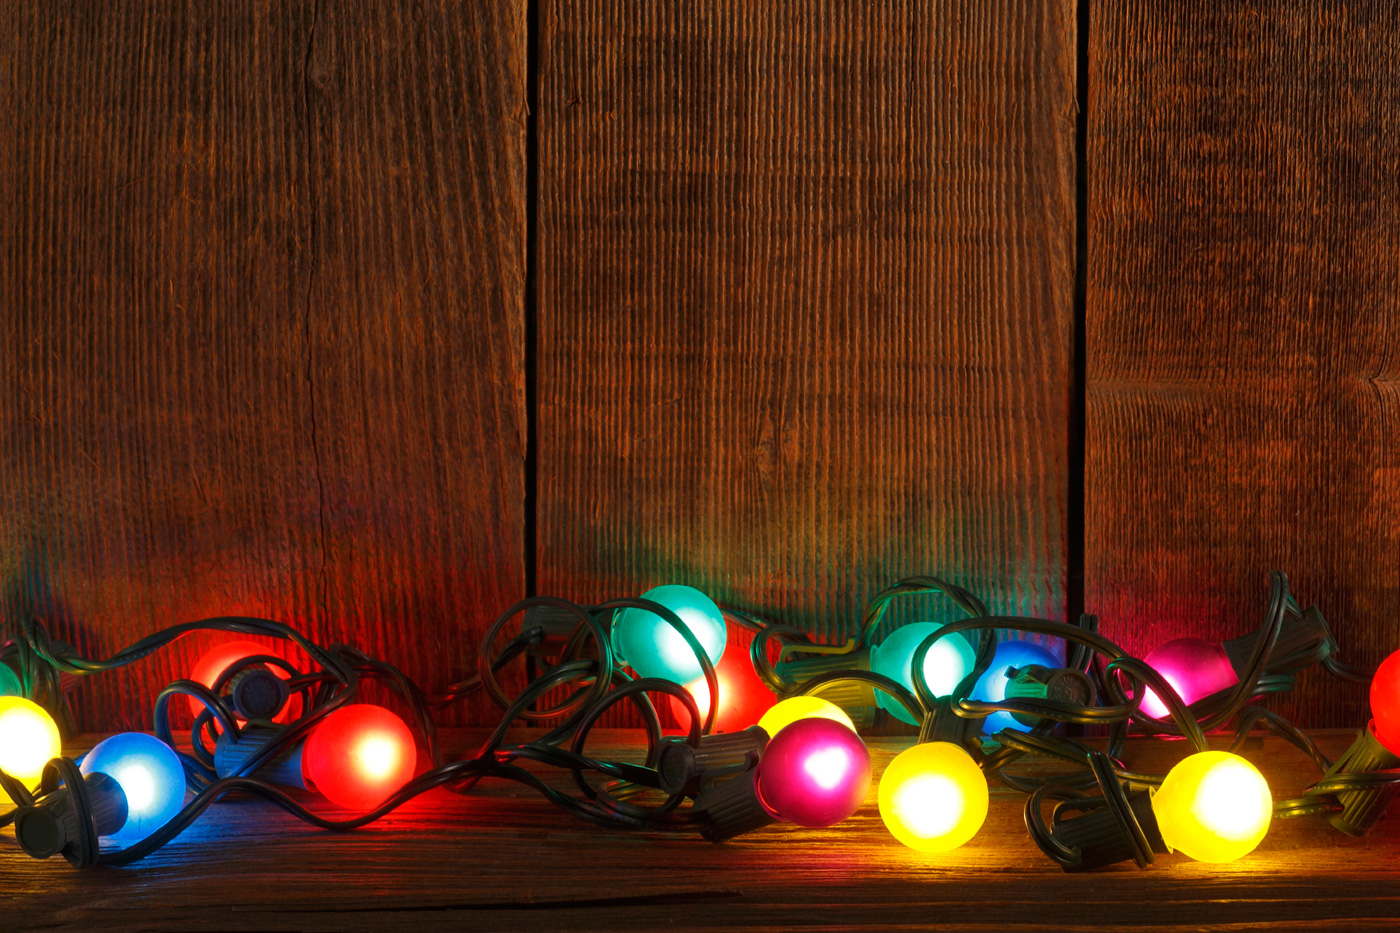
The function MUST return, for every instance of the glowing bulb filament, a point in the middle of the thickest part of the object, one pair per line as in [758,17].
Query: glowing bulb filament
[828,767]
[137,784]
[1230,803]
[28,738]
[930,805]
[378,756]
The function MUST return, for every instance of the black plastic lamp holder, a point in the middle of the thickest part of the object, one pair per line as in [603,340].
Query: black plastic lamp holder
[732,808]
[1363,808]
[1303,640]
[1103,837]
[69,820]
[1113,827]
[855,697]
[941,724]
[258,693]
[1037,682]
[554,625]
[231,756]
[690,769]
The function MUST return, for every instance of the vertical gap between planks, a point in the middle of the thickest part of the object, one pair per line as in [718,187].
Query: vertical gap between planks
[531,297]
[1074,526]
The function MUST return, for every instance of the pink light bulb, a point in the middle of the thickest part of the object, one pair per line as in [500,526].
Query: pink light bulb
[1194,667]
[815,772]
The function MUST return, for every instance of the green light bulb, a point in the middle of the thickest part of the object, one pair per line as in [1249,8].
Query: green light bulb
[9,682]
[653,647]
[946,664]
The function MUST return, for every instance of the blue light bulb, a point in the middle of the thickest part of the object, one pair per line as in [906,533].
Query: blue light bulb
[946,664]
[9,682]
[151,776]
[653,647]
[991,686]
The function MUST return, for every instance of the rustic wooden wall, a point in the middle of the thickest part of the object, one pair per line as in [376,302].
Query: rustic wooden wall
[803,319]
[262,277]
[1243,390]
[805,300]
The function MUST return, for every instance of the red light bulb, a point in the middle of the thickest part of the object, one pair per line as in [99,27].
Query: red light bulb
[220,658]
[1385,703]
[814,772]
[743,697]
[358,756]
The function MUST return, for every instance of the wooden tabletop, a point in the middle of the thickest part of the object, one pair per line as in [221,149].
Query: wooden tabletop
[503,858]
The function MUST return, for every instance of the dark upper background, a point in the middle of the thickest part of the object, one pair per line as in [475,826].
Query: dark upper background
[375,317]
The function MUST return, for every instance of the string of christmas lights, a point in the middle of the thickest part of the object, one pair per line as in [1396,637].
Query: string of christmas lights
[771,735]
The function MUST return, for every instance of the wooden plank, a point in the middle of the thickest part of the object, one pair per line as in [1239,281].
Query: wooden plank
[805,294]
[262,274]
[1243,288]
[503,858]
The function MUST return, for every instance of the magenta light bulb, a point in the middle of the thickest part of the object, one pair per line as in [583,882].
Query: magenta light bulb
[1194,667]
[814,772]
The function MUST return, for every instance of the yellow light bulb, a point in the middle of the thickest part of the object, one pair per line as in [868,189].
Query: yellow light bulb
[792,709]
[933,797]
[1213,806]
[28,739]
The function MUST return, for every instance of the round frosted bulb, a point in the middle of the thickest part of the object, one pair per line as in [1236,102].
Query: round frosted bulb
[991,686]
[786,712]
[1194,667]
[1213,806]
[933,797]
[815,772]
[216,660]
[150,775]
[358,756]
[28,741]
[1385,703]
[946,664]
[652,647]
[9,682]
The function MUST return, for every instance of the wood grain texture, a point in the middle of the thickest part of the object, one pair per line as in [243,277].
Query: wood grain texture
[261,281]
[503,858]
[805,300]
[1242,297]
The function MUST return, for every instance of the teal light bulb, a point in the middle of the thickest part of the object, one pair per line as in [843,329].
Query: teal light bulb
[9,682]
[946,664]
[652,647]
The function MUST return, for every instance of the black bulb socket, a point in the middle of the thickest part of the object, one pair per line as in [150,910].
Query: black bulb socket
[231,757]
[1302,641]
[69,820]
[1364,807]
[689,769]
[1103,837]
[258,693]
[856,697]
[732,808]
[1037,682]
